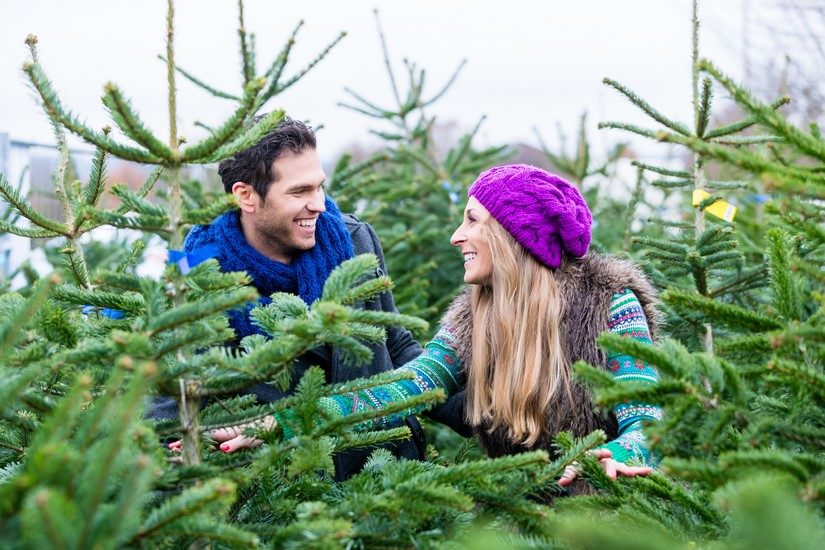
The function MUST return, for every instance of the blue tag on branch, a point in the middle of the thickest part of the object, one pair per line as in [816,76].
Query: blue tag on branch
[105,311]
[187,261]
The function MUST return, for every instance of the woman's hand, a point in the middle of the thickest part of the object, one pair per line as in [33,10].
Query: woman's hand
[232,438]
[612,468]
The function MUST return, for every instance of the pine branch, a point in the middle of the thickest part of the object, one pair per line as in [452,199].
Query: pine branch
[670,356]
[629,128]
[748,140]
[476,468]
[660,170]
[229,129]
[76,262]
[273,74]
[703,113]
[186,504]
[14,199]
[95,478]
[28,232]
[55,110]
[11,327]
[208,529]
[130,124]
[647,108]
[247,62]
[274,88]
[207,214]
[201,84]
[416,402]
[767,115]
[133,202]
[786,286]
[812,378]
[171,86]
[194,311]
[722,313]
[359,384]
[744,123]
[672,184]
[762,459]
[450,81]
[795,180]
[246,139]
[454,157]
[369,439]
[97,179]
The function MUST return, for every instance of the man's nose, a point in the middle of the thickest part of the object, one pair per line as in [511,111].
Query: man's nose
[317,204]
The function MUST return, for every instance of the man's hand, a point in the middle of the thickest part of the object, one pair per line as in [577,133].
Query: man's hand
[232,438]
[612,468]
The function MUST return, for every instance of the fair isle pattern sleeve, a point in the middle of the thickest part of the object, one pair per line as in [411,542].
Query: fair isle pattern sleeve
[627,319]
[436,368]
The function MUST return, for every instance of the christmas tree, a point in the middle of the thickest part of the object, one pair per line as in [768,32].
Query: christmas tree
[81,351]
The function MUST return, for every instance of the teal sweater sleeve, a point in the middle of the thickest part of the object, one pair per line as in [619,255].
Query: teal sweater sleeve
[436,368]
[627,319]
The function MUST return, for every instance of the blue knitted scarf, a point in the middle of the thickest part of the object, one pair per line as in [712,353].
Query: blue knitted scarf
[304,276]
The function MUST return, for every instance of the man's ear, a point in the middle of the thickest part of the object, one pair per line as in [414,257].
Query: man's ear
[246,196]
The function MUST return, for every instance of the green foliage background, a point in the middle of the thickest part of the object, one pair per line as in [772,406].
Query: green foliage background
[742,378]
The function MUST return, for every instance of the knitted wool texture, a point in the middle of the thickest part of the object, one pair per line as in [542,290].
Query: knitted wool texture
[544,213]
[304,276]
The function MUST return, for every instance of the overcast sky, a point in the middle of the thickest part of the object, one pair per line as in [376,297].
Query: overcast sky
[530,63]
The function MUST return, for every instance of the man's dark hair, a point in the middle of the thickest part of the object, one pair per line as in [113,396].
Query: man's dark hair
[254,165]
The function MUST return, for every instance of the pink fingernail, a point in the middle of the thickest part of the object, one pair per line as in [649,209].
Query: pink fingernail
[225,447]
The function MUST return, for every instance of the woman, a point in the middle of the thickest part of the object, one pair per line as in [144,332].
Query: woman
[524,240]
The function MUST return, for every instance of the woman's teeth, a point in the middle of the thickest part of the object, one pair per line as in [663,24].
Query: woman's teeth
[469,256]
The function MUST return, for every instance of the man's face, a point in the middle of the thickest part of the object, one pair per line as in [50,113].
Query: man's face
[284,223]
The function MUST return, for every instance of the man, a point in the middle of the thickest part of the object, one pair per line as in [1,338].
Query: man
[288,236]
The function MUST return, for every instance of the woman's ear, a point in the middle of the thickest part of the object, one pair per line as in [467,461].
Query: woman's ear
[245,196]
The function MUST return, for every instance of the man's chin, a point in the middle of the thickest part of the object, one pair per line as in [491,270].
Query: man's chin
[305,244]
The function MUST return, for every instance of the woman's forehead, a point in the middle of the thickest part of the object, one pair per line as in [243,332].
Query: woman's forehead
[476,207]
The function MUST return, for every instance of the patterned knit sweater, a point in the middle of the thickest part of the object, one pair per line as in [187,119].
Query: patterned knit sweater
[439,366]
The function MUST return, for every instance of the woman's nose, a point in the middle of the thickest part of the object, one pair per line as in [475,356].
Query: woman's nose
[457,237]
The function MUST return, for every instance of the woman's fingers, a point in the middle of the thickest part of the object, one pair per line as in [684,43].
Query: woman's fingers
[632,471]
[570,474]
[225,434]
[612,468]
[239,442]
[232,438]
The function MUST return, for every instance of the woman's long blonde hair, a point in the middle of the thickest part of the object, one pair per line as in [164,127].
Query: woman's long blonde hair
[518,365]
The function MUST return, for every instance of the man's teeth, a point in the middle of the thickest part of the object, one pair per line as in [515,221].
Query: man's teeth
[306,223]
[469,256]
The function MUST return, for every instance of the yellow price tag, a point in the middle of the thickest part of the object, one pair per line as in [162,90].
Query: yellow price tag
[720,208]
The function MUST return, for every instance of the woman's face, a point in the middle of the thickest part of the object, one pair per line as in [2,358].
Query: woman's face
[478,260]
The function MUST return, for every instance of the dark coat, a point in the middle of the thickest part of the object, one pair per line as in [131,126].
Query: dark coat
[399,348]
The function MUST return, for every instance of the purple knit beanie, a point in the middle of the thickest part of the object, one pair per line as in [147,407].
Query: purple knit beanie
[543,212]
